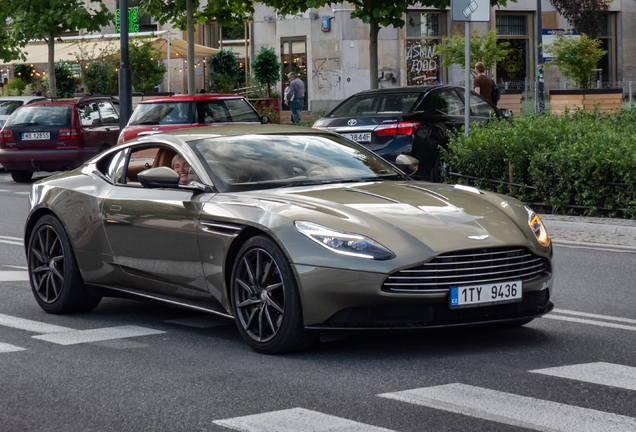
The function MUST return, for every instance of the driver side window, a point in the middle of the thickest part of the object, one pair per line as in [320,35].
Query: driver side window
[146,157]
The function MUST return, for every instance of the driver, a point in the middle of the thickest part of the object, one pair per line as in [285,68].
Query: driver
[181,167]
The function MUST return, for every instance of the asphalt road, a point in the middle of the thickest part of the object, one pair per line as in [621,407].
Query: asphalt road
[574,370]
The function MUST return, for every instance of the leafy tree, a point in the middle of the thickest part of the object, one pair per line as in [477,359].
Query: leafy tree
[487,49]
[576,57]
[583,15]
[266,68]
[222,64]
[8,50]
[376,13]
[147,69]
[24,71]
[225,12]
[99,77]
[48,19]
[66,82]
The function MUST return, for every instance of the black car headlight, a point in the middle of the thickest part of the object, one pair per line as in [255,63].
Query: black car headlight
[538,228]
[344,243]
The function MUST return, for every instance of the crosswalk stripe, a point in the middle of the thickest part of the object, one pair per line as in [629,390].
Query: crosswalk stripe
[10,238]
[608,374]
[515,410]
[12,242]
[96,335]
[294,420]
[30,325]
[592,322]
[591,315]
[5,348]
[14,276]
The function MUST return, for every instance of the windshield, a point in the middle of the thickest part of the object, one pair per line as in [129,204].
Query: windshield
[54,116]
[250,162]
[163,113]
[384,103]
[8,106]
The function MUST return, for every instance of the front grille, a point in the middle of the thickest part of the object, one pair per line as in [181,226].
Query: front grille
[478,266]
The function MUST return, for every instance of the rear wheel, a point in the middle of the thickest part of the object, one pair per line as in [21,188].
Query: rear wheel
[53,272]
[22,176]
[265,299]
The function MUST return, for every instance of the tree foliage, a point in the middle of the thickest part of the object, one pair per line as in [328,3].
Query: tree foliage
[66,82]
[48,19]
[583,15]
[266,68]
[487,49]
[225,12]
[147,69]
[576,57]
[224,62]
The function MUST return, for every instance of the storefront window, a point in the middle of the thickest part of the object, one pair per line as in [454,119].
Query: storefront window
[423,33]
[514,70]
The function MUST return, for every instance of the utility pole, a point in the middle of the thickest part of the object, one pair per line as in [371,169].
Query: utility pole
[190,65]
[125,78]
[540,79]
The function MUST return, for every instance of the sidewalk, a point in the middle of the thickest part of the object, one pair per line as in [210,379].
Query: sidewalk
[579,230]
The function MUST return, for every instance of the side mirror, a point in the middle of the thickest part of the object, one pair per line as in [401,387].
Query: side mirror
[160,177]
[407,163]
[265,119]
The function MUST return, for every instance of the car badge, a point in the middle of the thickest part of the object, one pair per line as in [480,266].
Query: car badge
[155,128]
[479,237]
[352,122]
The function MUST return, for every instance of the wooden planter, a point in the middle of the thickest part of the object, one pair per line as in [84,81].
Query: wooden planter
[608,100]
[511,99]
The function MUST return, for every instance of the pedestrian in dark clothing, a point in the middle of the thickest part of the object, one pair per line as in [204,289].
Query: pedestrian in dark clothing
[295,96]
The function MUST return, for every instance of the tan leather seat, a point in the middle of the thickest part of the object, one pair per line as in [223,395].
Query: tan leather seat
[164,158]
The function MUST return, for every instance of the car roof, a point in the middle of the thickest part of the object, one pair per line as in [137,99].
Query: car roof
[70,101]
[407,89]
[21,98]
[191,98]
[190,134]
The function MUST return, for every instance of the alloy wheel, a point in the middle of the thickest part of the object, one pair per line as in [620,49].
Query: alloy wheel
[259,295]
[47,264]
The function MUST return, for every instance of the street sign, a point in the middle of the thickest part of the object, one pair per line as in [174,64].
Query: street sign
[470,10]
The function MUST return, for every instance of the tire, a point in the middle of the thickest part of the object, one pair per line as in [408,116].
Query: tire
[439,170]
[55,279]
[265,300]
[22,176]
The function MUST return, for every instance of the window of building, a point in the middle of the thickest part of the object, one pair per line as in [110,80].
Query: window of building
[607,65]
[514,70]
[423,34]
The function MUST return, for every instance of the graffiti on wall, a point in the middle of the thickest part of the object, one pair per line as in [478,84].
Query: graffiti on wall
[388,78]
[326,74]
[422,63]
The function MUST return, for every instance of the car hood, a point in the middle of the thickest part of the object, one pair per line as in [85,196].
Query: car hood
[440,216]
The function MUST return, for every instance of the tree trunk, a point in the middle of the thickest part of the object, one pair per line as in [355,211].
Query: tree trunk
[51,66]
[373,54]
[190,66]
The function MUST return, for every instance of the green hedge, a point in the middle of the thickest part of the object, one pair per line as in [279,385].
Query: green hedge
[569,159]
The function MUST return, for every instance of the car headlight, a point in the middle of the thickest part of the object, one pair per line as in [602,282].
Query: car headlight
[538,228]
[344,243]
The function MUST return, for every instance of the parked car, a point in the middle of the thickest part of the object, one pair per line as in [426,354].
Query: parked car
[289,231]
[57,134]
[8,104]
[164,114]
[407,120]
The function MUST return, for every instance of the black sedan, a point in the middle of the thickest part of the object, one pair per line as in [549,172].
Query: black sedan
[407,120]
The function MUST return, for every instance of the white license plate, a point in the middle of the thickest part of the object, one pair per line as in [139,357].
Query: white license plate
[26,136]
[359,137]
[486,294]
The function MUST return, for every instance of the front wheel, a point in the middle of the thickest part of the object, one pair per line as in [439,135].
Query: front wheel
[55,278]
[265,299]
[21,176]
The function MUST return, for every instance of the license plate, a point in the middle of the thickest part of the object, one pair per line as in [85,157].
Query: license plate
[486,294]
[26,136]
[359,137]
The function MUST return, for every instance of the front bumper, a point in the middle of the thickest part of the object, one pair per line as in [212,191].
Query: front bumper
[350,300]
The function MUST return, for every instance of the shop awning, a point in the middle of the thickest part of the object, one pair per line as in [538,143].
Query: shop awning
[92,48]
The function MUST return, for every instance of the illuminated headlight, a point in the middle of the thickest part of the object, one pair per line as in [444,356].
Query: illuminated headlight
[538,228]
[344,243]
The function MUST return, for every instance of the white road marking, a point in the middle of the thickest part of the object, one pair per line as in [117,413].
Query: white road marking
[10,238]
[295,420]
[5,190]
[607,374]
[17,267]
[594,246]
[12,242]
[30,325]
[507,408]
[14,276]
[96,335]
[5,347]
[592,322]
[590,315]
[201,321]
[22,193]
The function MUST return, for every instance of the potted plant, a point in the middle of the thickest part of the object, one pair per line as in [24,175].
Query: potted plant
[266,69]
[576,57]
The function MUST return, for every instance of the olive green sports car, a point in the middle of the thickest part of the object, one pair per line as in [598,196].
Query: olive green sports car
[289,231]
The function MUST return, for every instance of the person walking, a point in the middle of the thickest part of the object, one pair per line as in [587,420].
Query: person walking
[295,96]
[482,84]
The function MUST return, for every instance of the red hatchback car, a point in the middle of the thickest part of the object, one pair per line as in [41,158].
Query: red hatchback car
[177,112]
[57,134]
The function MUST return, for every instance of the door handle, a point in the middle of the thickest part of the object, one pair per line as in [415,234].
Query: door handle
[115,208]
